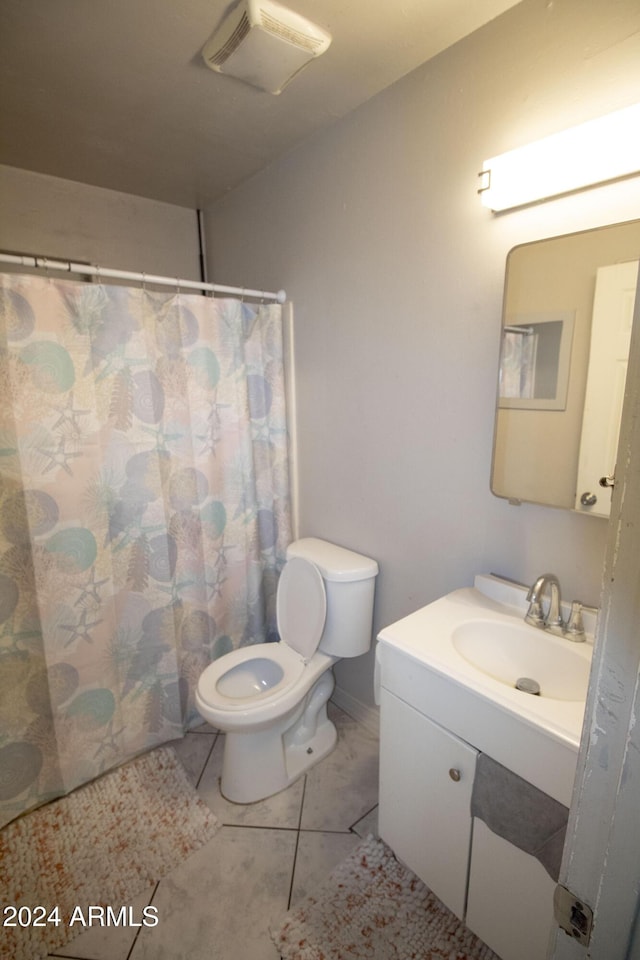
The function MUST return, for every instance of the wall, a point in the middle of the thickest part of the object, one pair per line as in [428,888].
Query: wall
[59,218]
[396,273]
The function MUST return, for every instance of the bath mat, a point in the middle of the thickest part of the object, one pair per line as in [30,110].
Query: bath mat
[373,907]
[100,846]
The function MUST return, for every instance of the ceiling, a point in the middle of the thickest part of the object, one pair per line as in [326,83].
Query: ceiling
[116,93]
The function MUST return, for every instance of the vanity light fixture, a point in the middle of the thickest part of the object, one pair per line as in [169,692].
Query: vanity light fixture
[595,152]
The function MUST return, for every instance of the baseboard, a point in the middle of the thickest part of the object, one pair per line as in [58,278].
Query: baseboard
[369,717]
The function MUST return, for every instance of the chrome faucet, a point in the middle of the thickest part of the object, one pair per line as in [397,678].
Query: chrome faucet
[573,629]
[535,616]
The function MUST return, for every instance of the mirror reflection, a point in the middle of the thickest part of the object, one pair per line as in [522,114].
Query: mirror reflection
[534,361]
[567,317]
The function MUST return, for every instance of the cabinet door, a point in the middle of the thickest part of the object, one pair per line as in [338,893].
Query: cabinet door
[510,903]
[426,778]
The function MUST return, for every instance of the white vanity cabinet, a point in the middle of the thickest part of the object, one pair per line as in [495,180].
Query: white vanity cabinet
[427,771]
[450,704]
[426,778]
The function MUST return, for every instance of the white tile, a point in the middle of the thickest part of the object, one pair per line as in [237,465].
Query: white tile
[193,751]
[318,853]
[367,824]
[204,728]
[343,787]
[107,943]
[220,902]
[281,810]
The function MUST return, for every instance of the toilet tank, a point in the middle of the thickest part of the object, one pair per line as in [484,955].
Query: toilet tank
[349,580]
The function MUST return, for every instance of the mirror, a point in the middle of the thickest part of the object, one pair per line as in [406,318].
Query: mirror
[566,325]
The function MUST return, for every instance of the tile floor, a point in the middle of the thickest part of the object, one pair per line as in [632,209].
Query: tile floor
[264,858]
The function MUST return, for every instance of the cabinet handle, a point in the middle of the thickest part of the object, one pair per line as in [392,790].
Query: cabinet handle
[454,774]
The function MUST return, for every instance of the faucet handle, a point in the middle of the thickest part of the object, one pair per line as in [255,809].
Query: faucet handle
[575,626]
[534,614]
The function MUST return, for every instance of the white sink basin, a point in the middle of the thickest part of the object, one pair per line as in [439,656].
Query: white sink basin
[457,661]
[514,652]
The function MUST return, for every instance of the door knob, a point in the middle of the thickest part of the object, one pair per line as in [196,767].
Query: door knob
[607,481]
[454,774]
[588,499]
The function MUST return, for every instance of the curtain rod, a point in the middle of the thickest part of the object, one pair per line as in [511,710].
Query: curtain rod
[87,269]
[523,331]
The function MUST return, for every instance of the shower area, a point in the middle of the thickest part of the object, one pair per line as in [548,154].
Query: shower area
[144,515]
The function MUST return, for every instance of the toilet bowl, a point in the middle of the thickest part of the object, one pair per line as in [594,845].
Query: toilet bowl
[270,699]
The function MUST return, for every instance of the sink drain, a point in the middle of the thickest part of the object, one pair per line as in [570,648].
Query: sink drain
[527,685]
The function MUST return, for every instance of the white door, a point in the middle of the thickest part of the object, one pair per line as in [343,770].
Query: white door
[610,337]
[426,778]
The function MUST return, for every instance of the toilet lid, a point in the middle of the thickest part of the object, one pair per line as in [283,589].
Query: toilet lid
[301,606]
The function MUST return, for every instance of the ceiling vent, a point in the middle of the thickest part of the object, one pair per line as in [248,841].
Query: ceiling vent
[264,44]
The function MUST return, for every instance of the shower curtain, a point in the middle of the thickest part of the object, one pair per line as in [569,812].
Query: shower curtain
[144,516]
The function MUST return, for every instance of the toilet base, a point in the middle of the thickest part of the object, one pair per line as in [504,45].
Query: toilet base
[301,757]
[260,763]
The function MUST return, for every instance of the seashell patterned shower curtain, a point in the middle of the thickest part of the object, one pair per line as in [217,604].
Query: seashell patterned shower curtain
[144,516]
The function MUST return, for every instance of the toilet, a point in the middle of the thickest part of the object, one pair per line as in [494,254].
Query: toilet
[271,698]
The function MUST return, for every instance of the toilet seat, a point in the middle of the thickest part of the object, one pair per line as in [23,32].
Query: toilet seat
[301,606]
[221,683]
[250,678]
